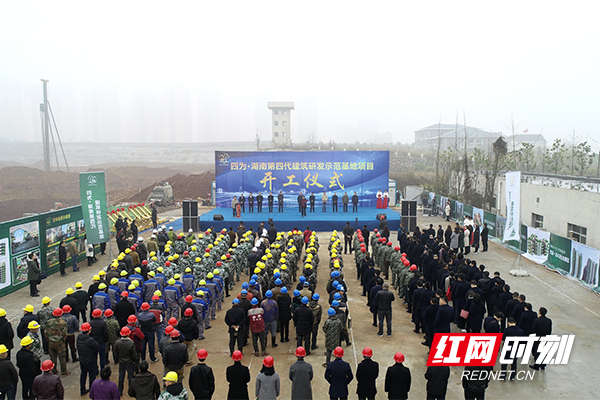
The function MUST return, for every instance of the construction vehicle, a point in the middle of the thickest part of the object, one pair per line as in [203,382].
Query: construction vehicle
[161,195]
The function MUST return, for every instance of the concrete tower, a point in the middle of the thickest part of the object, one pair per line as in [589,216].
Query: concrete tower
[281,122]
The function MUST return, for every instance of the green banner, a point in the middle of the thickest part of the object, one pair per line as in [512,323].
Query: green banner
[560,253]
[490,220]
[468,210]
[93,204]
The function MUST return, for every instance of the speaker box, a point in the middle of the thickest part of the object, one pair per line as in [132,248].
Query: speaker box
[195,224]
[404,211]
[194,208]
[381,215]
[186,224]
[218,217]
[410,223]
[186,208]
[412,208]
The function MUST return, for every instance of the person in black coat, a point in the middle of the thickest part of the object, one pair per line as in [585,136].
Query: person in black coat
[238,376]
[492,323]
[368,272]
[202,379]
[527,318]
[437,381]
[443,317]
[511,330]
[429,314]
[542,326]
[8,376]
[475,387]
[6,332]
[366,376]
[284,303]
[339,375]
[303,319]
[397,379]
[484,237]
[28,370]
[476,312]
[87,348]
[122,310]
[62,257]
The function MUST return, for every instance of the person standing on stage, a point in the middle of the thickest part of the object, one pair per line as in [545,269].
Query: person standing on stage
[324,200]
[312,202]
[379,199]
[259,200]
[242,201]
[234,203]
[355,202]
[334,201]
[270,200]
[303,205]
[250,203]
[386,198]
[345,200]
[280,201]
[299,198]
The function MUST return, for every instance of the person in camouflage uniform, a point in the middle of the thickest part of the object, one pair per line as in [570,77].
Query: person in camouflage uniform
[36,346]
[385,257]
[180,245]
[44,315]
[56,333]
[286,278]
[395,263]
[333,331]
[114,330]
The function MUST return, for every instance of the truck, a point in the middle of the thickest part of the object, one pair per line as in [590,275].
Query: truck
[162,194]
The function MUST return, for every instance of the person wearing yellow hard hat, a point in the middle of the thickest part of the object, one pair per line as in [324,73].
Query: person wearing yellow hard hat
[174,389]
[10,376]
[28,365]
[36,347]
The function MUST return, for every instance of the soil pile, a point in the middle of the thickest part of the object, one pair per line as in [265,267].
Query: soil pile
[192,186]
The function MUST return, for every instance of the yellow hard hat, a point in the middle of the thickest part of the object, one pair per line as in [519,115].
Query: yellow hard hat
[152,273]
[223,257]
[275,271]
[176,276]
[3,349]
[46,300]
[28,308]
[198,259]
[169,242]
[270,255]
[137,269]
[193,242]
[170,258]
[171,281]
[2,312]
[135,283]
[282,260]
[234,245]
[283,255]
[26,341]
[216,271]
[210,275]
[96,278]
[200,292]
[33,325]
[157,293]
[127,251]
[78,285]
[152,253]
[284,267]
[120,257]
[200,236]
[131,287]
[210,246]
[202,282]
[188,269]
[123,273]
[256,270]
[114,281]
[69,291]
[194,248]
[102,286]
[176,256]
[264,258]
[160,269]
[154,258]
[206,255]
[101,273]
[171,376]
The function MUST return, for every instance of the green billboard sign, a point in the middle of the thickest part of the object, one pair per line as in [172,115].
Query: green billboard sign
[93,204]
[559,256]
[490,220]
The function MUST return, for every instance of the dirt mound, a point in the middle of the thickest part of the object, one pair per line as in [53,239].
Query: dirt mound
[192,186]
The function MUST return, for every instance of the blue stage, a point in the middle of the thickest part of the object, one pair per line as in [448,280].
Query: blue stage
[290,218]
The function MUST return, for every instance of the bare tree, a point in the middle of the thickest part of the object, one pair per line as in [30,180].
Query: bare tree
[312,137]
[499,150]
[527,156]
[257,140]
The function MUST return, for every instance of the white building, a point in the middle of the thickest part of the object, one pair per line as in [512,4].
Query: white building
[281,122]
[537,140]
[453,136]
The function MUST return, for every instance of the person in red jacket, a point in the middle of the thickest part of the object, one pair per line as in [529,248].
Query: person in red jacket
[257,327]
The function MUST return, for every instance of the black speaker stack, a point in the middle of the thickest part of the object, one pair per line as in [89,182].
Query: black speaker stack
[409,214]
[190,215]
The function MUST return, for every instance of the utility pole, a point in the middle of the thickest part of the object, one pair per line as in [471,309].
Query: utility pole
[46,127]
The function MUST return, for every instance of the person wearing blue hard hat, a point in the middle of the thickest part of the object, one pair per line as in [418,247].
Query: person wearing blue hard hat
[278,282]
[284,302]
[317,311]
[316,297]
[333,331]
[245,285]
[276,275]
[271,313]
[236,301]
[303,319]
[257,327]
[235,318]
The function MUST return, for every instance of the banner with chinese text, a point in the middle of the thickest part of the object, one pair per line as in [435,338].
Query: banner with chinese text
[93,204]
[513,206]
[292,173]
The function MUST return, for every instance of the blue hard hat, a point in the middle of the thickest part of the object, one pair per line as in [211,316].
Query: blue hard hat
[304,300]
[331,311]
[335,274]
[268,293]
[316,296]
[244,291]
[254,301]
[335,303]
[296,293]
[254,277]
[278,281]
[302,279]
[337,296]
[276,274]
[341,288]
[284,290]
[236,301]
[245,285]
[252,282]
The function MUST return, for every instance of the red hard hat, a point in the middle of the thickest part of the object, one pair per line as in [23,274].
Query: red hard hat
[375,230]
[268,361]
[364,250]
[300,352]
[413,267]
[406,263]
[168,264]
[168,330]
[227,255]
[188,298]
[66,308]
[47,365]
[108,313]
[145,262]
[173,321]
[97,313]
[85,327]
[202,354]
[155,297]
[125,331]
[403,254]
[132,319]
[219,263]
[338,352]
[397,248]
[175,333]
[188,312]
[237,356]
[124,294]
[185,253]
[367,352]
[57,312]
[399,357]
[378,235]
[389,243]
[207,250]
[145,306]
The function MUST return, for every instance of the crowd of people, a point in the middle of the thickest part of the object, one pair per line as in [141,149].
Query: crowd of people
[157,298]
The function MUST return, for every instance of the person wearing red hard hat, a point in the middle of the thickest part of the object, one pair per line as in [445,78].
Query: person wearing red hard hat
[56,331]
[267,381]
[88,350]
[301,373]
[126,355]
[339,375]
[175,355]
[202,379]
[47,385]
[238,376]
[189,329]
[397,379]
[147,321]
[366,375]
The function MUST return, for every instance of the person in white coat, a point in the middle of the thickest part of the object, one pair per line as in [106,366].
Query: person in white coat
[89,252]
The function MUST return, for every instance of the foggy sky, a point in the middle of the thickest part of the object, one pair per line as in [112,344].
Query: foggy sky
[204,71]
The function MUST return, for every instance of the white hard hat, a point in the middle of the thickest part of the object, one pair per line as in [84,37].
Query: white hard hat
[254,249]
[154,231]
[153,236]
[140,239]
[170,228]
[190,230]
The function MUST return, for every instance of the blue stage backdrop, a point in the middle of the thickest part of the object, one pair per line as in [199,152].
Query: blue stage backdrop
[294,172]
